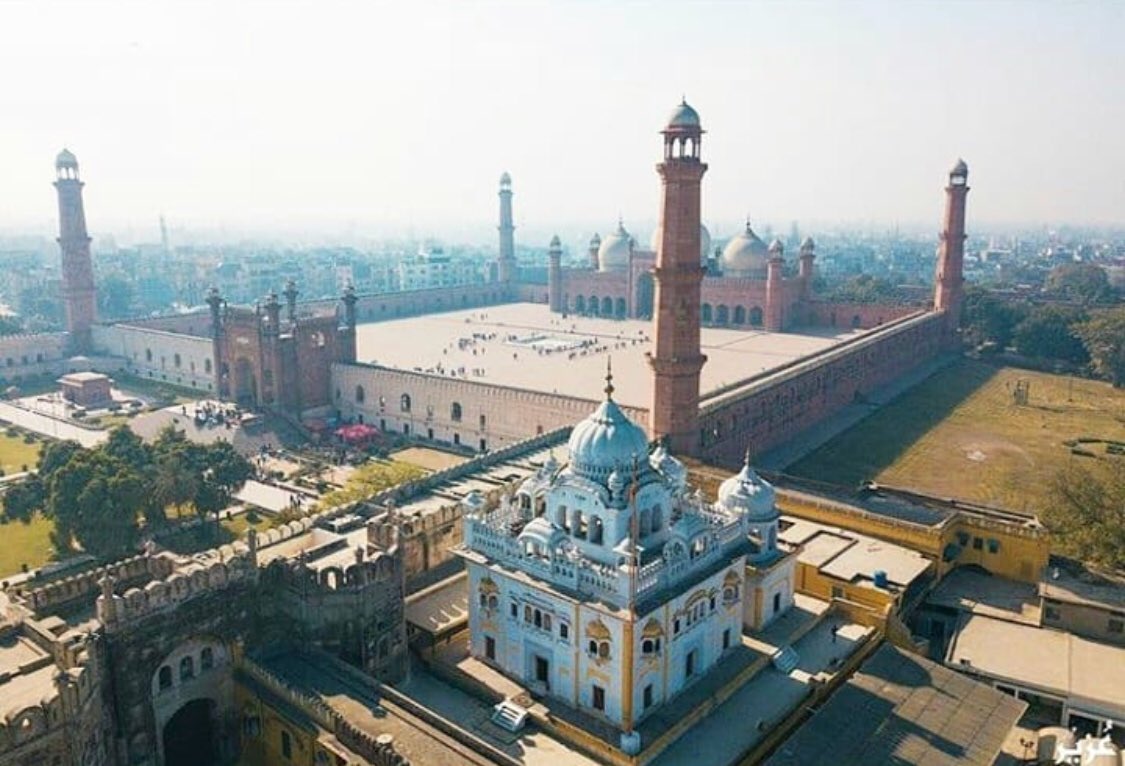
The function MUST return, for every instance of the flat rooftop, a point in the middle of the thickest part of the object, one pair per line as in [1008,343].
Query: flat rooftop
[1062,664]
[524,345]
[850,556]
[901,708]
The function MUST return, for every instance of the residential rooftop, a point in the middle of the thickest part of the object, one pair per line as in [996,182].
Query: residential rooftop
[901,708]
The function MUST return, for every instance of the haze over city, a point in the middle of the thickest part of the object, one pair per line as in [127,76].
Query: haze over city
[385,119]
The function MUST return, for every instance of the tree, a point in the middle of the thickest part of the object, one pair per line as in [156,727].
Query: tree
[1085,283]
[990,318]
[96,500]
[1104,338]
[1086,513]
[23,499]
[1048,333]
[10,326]
[115,296]
[863,289]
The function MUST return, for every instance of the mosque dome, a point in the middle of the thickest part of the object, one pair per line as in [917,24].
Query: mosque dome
[746,255]
[613,253]
[704,241]
[66,159]
[606,440]
[683,116]
[748,494]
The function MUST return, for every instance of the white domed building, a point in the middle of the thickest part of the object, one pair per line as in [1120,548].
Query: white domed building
[605,582]
[616,250]
[746,256]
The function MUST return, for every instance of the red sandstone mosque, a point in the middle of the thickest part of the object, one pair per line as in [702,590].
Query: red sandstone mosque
[310,362]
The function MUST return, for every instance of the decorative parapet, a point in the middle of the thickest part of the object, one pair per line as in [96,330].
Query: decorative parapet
[205,574]
[78,586]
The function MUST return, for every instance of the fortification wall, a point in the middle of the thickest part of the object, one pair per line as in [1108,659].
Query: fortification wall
[491,414]
[163,355]
[769,409]
[61,594]
[378,307]
[23,356]
[856,315]
[197,323]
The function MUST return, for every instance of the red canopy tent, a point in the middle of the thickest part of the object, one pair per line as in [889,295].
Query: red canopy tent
[356,433]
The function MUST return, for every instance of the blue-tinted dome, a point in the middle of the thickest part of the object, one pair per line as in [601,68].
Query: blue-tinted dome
[683,116]
[606,440]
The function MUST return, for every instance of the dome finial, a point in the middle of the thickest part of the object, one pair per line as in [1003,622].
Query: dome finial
[609,378]
[746,459]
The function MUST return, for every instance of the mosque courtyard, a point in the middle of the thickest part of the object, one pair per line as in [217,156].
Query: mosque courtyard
[525,345]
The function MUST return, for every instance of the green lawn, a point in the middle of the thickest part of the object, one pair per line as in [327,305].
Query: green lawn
[25,544]
[240,523]
[16,453]
[960,434]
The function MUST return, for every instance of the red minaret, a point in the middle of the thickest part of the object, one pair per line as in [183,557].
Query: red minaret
[74,244]
[949,283]
[676,358]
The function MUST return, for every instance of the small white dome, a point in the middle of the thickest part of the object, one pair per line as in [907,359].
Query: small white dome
[613,254]
[745,256]
[748,494]
[704,241]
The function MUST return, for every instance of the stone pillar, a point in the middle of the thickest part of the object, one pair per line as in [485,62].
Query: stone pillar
[349,299]
[595,245]
[554,275]
[79,298]
[215,301]
[507,260]
[291,294]
[675,357]
[950,280]
[775,289]
[808,267]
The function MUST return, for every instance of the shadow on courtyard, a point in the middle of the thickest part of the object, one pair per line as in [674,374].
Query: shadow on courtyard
[866,449]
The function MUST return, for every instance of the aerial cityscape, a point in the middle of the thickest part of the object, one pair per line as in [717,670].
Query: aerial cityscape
[558,384]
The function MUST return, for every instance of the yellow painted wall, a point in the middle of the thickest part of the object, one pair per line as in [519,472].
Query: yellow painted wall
[265,749]
[812,582]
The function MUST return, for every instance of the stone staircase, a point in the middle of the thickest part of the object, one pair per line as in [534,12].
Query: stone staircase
[785,659]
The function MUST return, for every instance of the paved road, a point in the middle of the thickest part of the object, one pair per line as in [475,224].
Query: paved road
[56,429]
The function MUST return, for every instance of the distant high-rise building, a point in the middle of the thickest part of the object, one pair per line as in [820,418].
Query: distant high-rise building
[74,244]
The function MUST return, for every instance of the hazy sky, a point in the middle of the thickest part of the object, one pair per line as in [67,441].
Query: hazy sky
[387,117]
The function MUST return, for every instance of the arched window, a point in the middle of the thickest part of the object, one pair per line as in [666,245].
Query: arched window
[596,530]
[657,518]
[404,403]
[148,354]
[164,679]
[360,395]
[206,658]
[706,313]
[740,315]
[176,360]
[483,421]
[455,412]
[207,366]
[187,669]
[756,317]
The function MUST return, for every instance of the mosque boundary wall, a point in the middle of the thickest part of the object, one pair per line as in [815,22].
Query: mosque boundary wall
[764,411]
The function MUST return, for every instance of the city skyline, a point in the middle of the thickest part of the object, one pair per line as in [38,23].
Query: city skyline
[388,119]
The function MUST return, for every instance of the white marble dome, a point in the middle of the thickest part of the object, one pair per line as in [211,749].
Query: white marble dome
[605,441]
[748,494]
[745,256]
[704,241]
[613,253]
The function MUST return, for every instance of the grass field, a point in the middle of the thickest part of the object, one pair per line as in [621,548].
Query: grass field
[961,435]
[15,453]
[25,544]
